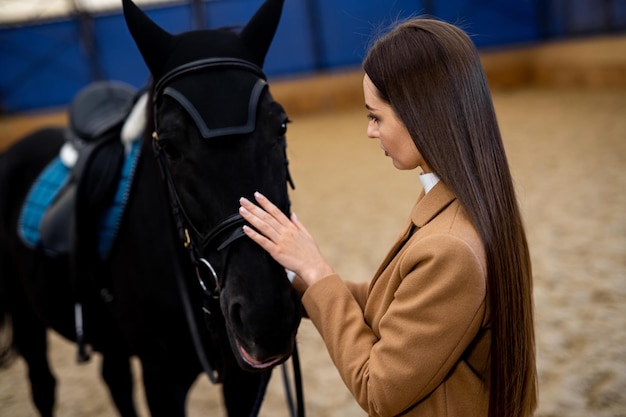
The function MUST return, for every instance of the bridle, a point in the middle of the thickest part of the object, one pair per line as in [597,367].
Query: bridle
[229,229]
[217,239]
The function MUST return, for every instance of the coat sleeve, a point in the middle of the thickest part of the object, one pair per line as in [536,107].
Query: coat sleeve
[437,310]
[358,291]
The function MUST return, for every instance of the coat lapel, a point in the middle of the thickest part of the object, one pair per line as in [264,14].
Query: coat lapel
[431,204]
[425,209]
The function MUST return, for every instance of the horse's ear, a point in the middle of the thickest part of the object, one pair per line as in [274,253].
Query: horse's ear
[153,42]
[260,30]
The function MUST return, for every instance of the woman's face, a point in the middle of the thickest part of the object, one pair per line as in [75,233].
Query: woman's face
[385,126]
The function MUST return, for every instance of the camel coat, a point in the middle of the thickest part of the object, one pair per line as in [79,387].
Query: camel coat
[415,340]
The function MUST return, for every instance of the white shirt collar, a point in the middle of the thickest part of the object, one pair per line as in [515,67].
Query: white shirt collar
[428,180]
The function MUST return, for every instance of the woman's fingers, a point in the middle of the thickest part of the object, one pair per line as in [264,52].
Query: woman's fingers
[265,216]
[270,208]
[256,216]
[261,240]
[285,239]
[267,219]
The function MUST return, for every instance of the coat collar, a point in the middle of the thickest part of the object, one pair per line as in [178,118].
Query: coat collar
[425,209]
[431,204]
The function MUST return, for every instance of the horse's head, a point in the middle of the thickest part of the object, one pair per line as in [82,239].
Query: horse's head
[220,136]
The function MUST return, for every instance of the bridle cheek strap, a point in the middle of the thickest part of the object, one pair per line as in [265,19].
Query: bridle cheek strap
[217,239]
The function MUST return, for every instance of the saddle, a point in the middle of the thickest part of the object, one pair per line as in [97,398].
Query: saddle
[94,155]
[75,205]
[72,198]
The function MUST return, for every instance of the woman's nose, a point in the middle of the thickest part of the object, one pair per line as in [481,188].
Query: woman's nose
[372,132]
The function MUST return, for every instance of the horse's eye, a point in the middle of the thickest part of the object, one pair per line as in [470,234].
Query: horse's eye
[283,127]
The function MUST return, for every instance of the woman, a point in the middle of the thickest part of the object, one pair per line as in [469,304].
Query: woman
[445,328]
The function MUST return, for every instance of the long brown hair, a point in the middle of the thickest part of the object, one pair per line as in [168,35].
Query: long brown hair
[430,73]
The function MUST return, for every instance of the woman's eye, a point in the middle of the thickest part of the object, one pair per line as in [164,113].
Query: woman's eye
[372,118]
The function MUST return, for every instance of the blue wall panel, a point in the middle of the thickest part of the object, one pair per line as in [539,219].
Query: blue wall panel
[347,26]
[581,17]
[492,22]
[291,50]
[40,66]
[45,64]
[118,56]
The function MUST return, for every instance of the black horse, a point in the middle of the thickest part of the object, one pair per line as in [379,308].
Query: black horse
[179,287]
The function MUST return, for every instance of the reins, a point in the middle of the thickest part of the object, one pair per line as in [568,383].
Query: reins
[217,239]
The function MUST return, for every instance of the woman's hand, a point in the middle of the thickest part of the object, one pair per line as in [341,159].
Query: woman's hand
[286,240]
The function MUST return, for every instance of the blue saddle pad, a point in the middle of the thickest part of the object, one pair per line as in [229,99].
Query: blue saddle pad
[43,191]
[48,185]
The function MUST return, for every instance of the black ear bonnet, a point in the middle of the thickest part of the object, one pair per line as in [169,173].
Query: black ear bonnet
[215,75]
[221,96]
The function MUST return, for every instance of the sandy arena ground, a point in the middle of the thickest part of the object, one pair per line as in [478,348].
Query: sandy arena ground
[567,150]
